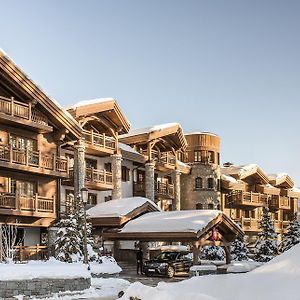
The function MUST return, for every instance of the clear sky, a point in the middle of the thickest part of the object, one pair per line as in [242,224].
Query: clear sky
[229,67]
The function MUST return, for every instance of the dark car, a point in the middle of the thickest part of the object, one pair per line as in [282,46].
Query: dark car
[168,264]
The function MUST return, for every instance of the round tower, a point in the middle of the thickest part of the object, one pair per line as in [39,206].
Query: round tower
[201,188]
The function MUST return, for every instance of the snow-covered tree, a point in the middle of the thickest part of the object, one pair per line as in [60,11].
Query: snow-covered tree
[68,241]
[267,244]
[213,253]
[239,250]
[292,237]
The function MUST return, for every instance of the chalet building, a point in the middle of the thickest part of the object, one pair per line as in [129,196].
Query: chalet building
[158,178]
[247,189]
[108,164]
[32,129]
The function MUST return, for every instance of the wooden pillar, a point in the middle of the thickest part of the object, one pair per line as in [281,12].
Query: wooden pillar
[1,256]
[149,180]
[79,167]
[227,253]
[176,181]
[117,176]
[195,254]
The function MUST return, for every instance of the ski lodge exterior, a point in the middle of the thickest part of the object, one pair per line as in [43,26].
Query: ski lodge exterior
[48,154]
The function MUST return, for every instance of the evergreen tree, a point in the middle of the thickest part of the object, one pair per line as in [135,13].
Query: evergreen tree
[67,244]
[292,237]
[267,244]
[213,253]
[239,250]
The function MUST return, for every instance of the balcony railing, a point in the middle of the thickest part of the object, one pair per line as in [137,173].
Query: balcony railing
[24,111]
[280,202]
[32,158]
[100,140]
[247,198]
[25,253]
[162,157]
[249,224]
[165,189]
[281,226]
[35,203]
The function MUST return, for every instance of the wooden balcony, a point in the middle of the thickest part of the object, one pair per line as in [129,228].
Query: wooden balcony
[241,198]
[37,252]
[14,112]
[33,161]
[95,179]
[36,206]
[164,190]
[281,226]
[249,224]
[99,144]
[280,202]
[164,160]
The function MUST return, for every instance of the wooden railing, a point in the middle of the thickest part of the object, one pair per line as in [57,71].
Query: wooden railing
[162,157]
[249,224]
[100,140]
[35,203]
[280,202]
[33,158]
[165,189]
[14,108]
[247,198]
[24,253]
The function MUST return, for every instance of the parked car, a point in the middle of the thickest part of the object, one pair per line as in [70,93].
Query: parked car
[169,263]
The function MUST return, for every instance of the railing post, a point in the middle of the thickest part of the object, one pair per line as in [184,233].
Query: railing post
[92,136]
[54,162]
[36,202]
[29,111]
[26,157]
[10,153]
[12,106]
[104,176]
[104,140]
[40,159]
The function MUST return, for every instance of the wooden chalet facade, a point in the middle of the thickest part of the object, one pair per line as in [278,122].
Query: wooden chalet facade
[247,189]
[32,129]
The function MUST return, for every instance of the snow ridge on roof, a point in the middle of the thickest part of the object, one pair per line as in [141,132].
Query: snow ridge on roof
[202,132]
[150,129]
[118,208]
[228,178]
[172,221]
[91,101]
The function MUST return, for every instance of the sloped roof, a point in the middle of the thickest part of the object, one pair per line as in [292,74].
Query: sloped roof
[117,212]
[171,132]
[12,73]
[281,180]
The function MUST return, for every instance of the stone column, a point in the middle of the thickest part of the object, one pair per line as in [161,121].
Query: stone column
[79,167]
[176,181]
[149,180]
[117,176]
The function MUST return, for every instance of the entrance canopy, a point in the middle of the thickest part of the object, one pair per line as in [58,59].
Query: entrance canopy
[203,226]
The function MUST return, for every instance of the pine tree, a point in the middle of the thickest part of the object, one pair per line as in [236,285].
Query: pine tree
[292,237]
[213,253]
[267,244]
[67,244]
[239,250]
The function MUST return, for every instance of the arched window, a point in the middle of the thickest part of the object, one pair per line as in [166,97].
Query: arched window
[199,206]
[210,183]
[198,183]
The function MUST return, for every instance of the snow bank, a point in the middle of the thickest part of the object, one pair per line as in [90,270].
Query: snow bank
[242,266]
[40,269]
[276,280]
[108,265]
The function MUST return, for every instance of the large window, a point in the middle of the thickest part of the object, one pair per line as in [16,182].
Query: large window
[199,206]
[198,183]
[92,199]
[197,156]
[25,189]
[22,143]
[211,157]
[90,163]
[210,183]
[125,174]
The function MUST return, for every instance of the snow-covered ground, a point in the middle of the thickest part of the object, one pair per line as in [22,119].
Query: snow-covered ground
[276,280]
[108,266]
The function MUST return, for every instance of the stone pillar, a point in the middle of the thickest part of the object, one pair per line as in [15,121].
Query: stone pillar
[149,180]
[176,181]
[79,167]
[117,176]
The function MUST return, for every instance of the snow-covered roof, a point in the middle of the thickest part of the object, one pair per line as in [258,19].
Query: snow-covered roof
[91,101]
[201,132]
[128,149]
[172,221]
[120,207]
[281,179]
[228,178]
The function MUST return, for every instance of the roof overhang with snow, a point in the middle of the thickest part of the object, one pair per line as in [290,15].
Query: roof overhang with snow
[281,180]
[103,112]
[230,183]
[115,213]
[184,226]
[17,84]
[169,136]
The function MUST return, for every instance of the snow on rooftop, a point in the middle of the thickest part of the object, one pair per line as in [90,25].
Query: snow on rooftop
[201,132]
[90,102]
[228,178]
[172,221]
[128,149]
[119,207]
[295,189]
[151,129]
[247,168]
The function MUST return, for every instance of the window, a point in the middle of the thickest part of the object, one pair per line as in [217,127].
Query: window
[199,206]
[25,189]
[92,199]
[107,167]
[107,198]
[197,156]
[211,157]
[22,143]
[70,201]
[210,183]
[90,163]
[198,183]
[125,173]
[210,206]
[218,158]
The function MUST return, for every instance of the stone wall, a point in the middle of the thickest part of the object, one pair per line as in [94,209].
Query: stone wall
[190,196]
[42,287]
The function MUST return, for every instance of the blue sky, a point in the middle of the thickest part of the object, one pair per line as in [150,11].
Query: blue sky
[229,67]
